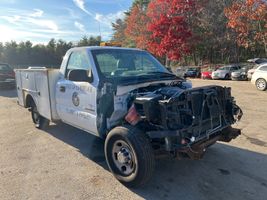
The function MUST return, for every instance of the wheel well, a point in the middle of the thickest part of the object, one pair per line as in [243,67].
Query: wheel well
[261,78]
[29,101]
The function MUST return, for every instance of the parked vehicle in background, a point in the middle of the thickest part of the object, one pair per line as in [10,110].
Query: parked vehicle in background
[259,78]
[242,74]
[257,62]
[206,75]
[179,71]
[251,72]
[224,72]
[206,71]
[193,72]
[126,97]
[7,76]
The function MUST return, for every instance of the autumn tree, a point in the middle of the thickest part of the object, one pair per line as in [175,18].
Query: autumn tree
[142,3]
[214,41]
[119,36]
[126,31]
[170,29]
[248,18]
[136,25]
[118,28]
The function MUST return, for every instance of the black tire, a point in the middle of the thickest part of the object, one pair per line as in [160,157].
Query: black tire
[227,77]
[261,84]
[141,153]
[39,121]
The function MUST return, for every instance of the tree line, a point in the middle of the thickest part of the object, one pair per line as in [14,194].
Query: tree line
[26,54]
[177,31]
[196,31]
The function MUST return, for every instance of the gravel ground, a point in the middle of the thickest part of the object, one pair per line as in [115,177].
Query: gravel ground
[66,163]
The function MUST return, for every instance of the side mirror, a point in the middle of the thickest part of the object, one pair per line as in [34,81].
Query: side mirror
[80,75]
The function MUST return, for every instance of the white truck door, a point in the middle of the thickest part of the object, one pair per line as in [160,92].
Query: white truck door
[76,101]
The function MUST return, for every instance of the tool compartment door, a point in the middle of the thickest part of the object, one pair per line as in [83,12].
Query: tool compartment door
[42,93]
[19,87]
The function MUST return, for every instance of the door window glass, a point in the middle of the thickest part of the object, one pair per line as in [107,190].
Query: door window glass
[263,68]
[78,60]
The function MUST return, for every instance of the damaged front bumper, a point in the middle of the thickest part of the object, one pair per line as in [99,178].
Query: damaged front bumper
[180,148]
[190,120]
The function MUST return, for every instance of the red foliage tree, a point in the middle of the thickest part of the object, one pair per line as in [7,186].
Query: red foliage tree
[249,19]
[136,26]
[169,27]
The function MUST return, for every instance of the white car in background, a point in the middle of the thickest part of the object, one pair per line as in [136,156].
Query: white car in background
[257,62]
[259,77]
[251,72]
[224,72]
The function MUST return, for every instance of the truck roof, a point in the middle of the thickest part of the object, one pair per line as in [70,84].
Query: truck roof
[104,47]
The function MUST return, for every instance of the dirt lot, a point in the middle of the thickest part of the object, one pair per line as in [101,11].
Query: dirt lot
[66,163]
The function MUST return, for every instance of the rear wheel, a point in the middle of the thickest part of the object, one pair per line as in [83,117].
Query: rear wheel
[261,84]
[39,121]
[129,155]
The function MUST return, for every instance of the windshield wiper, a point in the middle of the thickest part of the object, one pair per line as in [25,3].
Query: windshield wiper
[162,73]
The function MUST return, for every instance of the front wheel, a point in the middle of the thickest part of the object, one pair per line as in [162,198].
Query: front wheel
[39,121]
[261,84]
[129,155]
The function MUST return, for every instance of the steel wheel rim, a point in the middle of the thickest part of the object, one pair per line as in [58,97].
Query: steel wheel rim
[123,157]
[261,84]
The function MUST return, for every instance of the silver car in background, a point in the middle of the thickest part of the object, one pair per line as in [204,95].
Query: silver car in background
[225,72]
[242,74]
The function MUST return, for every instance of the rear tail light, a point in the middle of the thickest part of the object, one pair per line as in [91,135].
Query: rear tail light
[132,116]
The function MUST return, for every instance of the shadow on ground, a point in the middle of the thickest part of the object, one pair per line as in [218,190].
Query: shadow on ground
[226,172]
[89,145]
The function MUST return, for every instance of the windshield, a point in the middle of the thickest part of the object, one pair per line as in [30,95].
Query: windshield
[114,63]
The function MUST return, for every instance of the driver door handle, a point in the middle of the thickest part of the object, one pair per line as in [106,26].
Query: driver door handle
[62,88]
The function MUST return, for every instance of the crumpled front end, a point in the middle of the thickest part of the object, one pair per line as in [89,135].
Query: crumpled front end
[187,119]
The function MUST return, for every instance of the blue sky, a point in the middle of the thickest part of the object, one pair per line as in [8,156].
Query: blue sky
[40,20]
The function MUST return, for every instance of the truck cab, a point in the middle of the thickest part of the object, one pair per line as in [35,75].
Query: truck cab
[95,80]
[129,99]
[76,90]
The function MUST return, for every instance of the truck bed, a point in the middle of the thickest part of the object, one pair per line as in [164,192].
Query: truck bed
[40,84]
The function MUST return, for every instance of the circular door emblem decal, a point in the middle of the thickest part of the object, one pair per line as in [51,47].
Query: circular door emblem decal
[75,99]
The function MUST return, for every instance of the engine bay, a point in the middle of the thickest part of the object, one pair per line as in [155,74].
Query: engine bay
[174,107]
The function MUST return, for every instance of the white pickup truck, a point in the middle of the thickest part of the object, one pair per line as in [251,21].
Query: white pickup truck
[128,98]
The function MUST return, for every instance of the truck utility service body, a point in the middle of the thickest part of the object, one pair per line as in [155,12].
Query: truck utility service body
[128,98]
